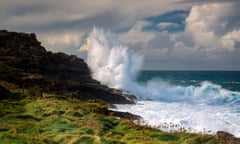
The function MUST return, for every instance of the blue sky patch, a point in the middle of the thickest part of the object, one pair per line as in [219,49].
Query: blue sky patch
[123,30]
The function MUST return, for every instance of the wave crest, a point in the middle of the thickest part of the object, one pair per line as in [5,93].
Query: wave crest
[111,62]
[206,93]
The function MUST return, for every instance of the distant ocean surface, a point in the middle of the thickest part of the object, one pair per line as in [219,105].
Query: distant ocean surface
[198,101]
[227,79]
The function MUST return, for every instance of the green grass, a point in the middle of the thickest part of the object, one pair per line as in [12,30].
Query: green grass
[56,119]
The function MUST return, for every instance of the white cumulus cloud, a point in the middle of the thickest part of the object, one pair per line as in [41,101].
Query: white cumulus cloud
[66,41]
[135,34]
[208,25]
[211,40]
[164,25]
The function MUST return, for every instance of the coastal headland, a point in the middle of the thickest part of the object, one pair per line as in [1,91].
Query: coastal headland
[48,97]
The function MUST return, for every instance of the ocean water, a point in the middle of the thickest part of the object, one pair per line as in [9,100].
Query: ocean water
[196,101]
[227,79]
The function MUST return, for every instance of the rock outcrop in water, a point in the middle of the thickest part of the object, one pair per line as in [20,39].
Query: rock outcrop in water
[24,62]
[227,138]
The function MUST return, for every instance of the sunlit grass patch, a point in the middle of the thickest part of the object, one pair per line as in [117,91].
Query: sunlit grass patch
[56,119]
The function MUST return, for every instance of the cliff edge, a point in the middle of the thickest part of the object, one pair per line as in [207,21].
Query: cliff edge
[24,62]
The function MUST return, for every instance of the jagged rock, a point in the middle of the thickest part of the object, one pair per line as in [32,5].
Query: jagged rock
[4,93]
[24,62]
[227,138]
[125,115]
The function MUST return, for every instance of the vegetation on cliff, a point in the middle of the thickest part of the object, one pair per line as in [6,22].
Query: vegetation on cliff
[25,118]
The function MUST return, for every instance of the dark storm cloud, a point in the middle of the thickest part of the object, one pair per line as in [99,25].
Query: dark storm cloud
[60,14]
[85,24]
[28,9]
[237,45]
[103,20]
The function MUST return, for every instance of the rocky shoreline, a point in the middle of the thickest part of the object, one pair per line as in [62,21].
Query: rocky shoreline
[25,63]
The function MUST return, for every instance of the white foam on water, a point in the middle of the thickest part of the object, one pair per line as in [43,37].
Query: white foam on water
[193,118]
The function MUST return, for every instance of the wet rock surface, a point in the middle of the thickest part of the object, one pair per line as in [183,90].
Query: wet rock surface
[227,138]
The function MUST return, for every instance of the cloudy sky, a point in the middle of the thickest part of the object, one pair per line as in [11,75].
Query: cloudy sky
[170,34]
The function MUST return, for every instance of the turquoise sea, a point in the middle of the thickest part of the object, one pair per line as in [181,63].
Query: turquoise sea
[227,79]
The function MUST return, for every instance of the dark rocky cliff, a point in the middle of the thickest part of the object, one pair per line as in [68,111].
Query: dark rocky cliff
[24,62]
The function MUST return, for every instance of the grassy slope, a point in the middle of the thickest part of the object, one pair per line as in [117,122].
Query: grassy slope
[55,119]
